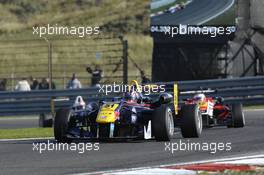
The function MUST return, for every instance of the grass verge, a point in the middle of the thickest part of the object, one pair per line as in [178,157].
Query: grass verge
[119,17]
[25,133]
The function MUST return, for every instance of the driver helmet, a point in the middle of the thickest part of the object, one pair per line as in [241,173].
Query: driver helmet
[132,96]
[199,97]
[219,100]
[79,104]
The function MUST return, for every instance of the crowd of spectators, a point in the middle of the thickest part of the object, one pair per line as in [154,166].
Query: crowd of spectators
[44,84]
[34,84]
[74,83]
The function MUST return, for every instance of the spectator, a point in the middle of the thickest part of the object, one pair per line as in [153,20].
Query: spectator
[97,75]
[3,84]
[144,78]
[74,83]
[23,85]
[33,83]
[43,84]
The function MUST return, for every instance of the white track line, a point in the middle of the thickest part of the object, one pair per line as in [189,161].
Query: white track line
[218,14]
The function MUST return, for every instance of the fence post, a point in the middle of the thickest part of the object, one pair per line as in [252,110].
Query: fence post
[50,64]
[64,76]
[12,81]
[125,61]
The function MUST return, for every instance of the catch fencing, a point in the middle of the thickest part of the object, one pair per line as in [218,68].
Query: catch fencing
[57,59]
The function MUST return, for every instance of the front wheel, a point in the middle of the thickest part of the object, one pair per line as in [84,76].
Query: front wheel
[162,123]
[191,121]
[104,130]
[61,125]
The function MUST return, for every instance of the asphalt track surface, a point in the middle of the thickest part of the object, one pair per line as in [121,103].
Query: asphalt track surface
[17,157]
[196,13]
[19,122]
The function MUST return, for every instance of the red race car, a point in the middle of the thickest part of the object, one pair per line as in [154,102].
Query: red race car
[216,113]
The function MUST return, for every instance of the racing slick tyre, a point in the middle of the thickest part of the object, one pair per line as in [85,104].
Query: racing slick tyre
[162,123]
[192,124]
[104,131]
[61,125]
[238,116]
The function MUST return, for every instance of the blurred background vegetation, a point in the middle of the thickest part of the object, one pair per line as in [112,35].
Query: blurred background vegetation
[129,18]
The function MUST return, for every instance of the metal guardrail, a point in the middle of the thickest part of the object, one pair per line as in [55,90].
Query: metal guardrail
[248,90]
[218,83]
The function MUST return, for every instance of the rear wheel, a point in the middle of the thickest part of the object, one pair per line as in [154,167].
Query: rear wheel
[61,125]
[162,123]
[191,121]
[238,116]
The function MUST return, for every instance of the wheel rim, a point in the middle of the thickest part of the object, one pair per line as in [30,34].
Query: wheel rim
[170,123]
